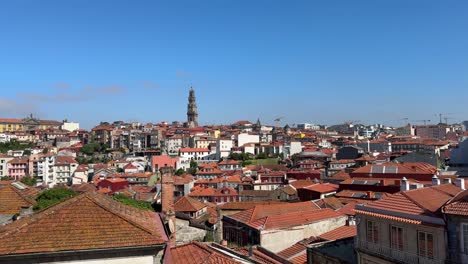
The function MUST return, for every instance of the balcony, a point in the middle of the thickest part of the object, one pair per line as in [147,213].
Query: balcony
[392,254]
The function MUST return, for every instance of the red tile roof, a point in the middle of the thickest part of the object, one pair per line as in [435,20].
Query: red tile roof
[64,160]
[323,187]
[301,183]
[246,205]
[11,120]
[79,224]
[187,204]
[261,211]
[198,253]
[397,168]
[258,256]
[340,233]
[423,201]
[12,199]
[458,205]
[301,259]
[194,150]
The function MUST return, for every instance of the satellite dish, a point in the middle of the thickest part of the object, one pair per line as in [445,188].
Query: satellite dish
[171,226]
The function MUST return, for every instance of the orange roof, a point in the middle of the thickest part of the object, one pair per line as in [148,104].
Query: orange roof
[340,233]
[246,205]
[123,226]
[458,205]
[301,183]
[13,199]
[194,150]
[183,179]
[196,252]
[423,201]
[11,120]
[398,168]
[187,204]
[229,162]
[323,187]
[294,219]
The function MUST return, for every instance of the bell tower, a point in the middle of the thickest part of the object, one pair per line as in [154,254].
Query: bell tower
[192,111]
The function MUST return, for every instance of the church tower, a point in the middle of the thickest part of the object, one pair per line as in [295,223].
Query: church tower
[192,111]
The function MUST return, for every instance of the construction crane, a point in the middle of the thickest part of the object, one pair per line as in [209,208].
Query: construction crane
[278,119]
[423,120]
[442,116]
[447,118]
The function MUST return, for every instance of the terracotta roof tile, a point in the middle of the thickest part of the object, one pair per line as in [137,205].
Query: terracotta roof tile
[340,233]
[322,187]
[13,199]
[187,204]
[79,224]
[198,253]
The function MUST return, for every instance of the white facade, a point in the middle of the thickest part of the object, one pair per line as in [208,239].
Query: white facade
[5,138]
[173,145]
[223,148]
[63,173]
[245,138]
[70,126]
[45,169]
[3,165]
[291,148]
[308,126]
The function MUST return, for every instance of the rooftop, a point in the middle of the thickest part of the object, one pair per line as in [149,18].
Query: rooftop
[83,221]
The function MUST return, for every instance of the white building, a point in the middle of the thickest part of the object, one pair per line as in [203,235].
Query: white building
[307,126]
[70,126]
[4,138]
[291,148]
[195,154]
[64,167]
[173,144]
[3,165]
[223,148]
[245,138]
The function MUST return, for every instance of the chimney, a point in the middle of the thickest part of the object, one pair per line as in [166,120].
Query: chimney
[435,180]
[370,194]
[460,182]
[404,184]
[224,243]
[167,202]
[447,180]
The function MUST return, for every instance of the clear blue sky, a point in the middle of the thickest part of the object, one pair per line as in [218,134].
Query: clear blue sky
[310,61]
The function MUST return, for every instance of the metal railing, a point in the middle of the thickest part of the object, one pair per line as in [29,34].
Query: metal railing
[393,254]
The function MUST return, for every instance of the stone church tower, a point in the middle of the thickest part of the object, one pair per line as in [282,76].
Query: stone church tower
[192,111]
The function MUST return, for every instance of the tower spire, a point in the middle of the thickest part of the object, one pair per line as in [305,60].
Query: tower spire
[192,111]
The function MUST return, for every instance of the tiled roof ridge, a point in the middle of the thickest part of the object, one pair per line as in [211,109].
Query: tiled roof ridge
[92,196]
[22,195]
[415,202]
[447,193]
[17,225]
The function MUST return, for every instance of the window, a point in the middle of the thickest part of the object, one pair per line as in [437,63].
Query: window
[425,245]
[464,237]
[372,232]
[396,237]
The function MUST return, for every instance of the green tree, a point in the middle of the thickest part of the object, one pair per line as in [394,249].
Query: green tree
[193,167]
[53,196]
[179,172]
[6,178]
[45,151]
[132,202]
[29,180]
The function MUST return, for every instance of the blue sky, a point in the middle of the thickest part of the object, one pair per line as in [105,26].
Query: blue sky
[309,61]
